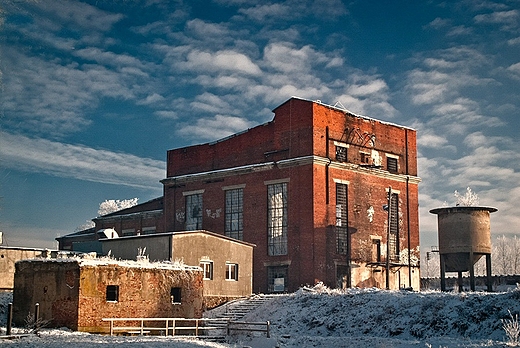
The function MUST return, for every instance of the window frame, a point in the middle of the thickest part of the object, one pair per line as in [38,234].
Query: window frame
[231,271]
[234,213]
[277,218]
[176,294]
[207,269]
[194,211]
[112,293]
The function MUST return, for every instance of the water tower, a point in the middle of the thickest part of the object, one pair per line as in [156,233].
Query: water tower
[464,237]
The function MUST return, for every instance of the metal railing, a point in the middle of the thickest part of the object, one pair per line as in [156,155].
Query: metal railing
[169,325]
[176,326]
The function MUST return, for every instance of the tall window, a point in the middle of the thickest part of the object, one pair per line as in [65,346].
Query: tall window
[393,242]
[341,219]
[234,213]
[231,271]
[194,212]
[277,219]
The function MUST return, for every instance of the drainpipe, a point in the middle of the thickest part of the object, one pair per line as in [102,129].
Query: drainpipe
[387,266]
[408,210]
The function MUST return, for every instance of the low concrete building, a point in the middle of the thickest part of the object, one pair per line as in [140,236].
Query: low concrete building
[79,293]
[9,256]
[227,263]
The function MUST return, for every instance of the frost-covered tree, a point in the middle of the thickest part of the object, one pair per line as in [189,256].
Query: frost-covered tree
[505,255]
[107,207]
[112,205]
[469,199]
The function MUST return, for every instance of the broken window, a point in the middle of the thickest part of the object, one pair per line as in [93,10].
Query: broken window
[391,164]
[175,295]
[277,278]
[341,219]
[376,250]
[341,153]
[194,212]
[277,219]
[112,293]
[231,271]
[234,213]
[207,269]
[365,157]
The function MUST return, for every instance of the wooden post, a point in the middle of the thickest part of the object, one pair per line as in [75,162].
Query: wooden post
[9,318]
[268,329]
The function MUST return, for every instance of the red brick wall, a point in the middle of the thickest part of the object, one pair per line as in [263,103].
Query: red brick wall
[299,129]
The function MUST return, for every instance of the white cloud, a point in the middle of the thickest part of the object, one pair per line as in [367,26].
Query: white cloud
[260,13]
[79,162]
[226,60]
[214,128]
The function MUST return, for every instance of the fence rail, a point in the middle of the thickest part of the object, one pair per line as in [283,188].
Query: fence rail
[178,325]
[168,325]
[249,326]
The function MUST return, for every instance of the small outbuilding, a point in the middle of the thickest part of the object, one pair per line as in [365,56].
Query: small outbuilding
[78,293]
[227,263]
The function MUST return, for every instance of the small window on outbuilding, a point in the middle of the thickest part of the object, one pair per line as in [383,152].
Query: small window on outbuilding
[207,269]
[231,271]
[175,295]
[112,294]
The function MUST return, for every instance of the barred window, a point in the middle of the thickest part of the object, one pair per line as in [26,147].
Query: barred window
[341,219]
[341,154]
[234,213]
[277,219]
[393,242]
[194,212]
[277,278]
[391,164]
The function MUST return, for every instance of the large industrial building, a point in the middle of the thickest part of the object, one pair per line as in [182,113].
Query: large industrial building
[324,195]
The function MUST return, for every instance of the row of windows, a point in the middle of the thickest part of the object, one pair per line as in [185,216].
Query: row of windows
[231,270]
[112,294]
[234,225]
[342,224]
[342,156]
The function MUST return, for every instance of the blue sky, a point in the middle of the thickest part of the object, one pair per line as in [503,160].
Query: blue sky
[93,93]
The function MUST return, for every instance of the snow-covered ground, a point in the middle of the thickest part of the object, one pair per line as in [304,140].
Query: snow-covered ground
[321,317]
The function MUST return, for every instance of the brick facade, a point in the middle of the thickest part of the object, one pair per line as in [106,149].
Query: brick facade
[310,151]
[298,148]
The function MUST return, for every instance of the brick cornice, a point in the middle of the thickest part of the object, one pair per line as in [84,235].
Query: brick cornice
[287,163]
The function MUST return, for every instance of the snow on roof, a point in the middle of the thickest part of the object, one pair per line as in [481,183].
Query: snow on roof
[92,260]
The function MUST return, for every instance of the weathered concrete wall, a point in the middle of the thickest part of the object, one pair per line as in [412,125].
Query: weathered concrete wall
[8,257]
[54,285]
[194,247]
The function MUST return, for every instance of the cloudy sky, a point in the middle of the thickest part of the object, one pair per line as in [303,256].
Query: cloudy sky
[93,93]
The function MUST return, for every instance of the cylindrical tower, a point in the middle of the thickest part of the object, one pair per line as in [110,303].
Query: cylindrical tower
[464,237]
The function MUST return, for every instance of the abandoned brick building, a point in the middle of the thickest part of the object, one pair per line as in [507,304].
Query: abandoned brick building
[79,293]
[324,194]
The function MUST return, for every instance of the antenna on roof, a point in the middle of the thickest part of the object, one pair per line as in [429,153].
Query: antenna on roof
[340,106]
